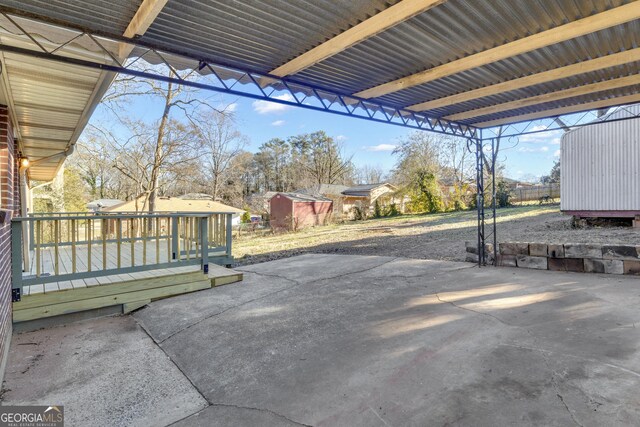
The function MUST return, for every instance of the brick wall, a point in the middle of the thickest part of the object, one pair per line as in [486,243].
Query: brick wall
[9,201]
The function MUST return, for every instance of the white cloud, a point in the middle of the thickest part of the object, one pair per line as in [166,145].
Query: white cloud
[381,147]
[341,138]
[266,107]
[278,123]
[556,153]
[231,107]
[542,149]
[550,137]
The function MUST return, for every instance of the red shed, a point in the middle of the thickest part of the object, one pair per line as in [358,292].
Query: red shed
[294,211]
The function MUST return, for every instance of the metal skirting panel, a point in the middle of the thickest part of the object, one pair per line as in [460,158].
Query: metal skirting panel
[601,166]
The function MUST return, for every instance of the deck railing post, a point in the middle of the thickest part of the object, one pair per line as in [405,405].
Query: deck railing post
[16,260]
[32,236]
[204,244]
[174,236]
[229,234]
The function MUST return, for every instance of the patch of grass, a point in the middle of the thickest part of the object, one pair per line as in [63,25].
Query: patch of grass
[355,230]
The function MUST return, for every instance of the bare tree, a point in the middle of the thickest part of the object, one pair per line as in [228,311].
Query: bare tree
[220,142]
[239,180]
[455,160]
[136,158]
[172,97]
[92,160]
[368,174]
[322,158]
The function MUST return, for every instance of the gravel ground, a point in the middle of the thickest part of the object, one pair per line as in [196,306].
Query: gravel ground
[439,236]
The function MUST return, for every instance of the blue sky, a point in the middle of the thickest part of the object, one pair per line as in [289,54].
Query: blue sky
[368,142]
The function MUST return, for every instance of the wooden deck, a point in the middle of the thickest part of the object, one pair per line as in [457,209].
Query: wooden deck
[80,263]
[100,257]
[129,290]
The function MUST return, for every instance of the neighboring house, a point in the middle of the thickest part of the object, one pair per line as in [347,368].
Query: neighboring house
[178,205]
[363,197]
[293,211]
[101,204]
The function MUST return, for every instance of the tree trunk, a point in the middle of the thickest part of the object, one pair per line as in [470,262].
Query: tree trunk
[157,156]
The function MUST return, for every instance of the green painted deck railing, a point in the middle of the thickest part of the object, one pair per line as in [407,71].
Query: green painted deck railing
[79,245]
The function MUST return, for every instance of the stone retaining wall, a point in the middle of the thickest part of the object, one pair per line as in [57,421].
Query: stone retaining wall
[579,257]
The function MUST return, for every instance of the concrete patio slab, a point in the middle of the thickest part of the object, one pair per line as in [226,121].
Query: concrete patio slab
[106,372]
[363,341]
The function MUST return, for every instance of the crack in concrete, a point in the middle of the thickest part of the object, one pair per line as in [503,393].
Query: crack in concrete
[475,311]
[209,403]
[250,408]
[556,387]
[378,415]
[585,359]
[262,410]
[228,309]
[276,276]
[573,418]
[177,367]
[295,284]
[554,374]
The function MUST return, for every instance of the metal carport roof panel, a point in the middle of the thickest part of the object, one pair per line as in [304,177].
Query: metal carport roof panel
[260,36]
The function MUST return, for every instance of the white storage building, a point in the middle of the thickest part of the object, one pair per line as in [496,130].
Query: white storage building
[600,167]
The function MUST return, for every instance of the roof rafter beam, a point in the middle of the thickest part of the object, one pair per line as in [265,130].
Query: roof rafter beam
[581,27]
[140,23]
[608,61]
[551,113]
[378,23]
[548,97]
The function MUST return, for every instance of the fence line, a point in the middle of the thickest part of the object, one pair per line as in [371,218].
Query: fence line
[541,193]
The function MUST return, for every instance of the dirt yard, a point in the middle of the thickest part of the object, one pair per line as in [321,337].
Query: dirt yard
[438,236]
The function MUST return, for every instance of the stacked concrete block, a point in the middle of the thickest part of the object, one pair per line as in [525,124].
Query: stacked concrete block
[508,253]
[609,266]
[535,262]
[555,251]
[582,250]
[472,252]
[566,264]
[576,257]
[538,249]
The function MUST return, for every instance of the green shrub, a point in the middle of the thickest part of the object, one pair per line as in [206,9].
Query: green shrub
[358,214]
[392,210]
[427,197]
[377,210]
[246,217]
[502,195]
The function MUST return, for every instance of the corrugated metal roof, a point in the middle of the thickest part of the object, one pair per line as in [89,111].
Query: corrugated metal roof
[261,35]
[51,101]
[262,38]
[255,35]
[110,16]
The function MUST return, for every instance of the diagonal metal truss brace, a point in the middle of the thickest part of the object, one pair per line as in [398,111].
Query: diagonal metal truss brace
[26,36]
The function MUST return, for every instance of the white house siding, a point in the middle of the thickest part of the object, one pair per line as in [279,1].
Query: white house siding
[600,166]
